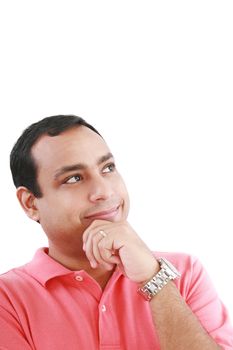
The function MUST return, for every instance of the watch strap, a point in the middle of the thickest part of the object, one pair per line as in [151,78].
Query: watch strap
[166,273]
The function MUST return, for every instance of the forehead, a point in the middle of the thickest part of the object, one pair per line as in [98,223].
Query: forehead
[77,145]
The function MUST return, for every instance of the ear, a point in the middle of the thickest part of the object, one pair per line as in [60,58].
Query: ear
[27,201]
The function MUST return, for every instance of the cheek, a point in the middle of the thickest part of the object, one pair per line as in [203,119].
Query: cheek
[60,221]
[54,209]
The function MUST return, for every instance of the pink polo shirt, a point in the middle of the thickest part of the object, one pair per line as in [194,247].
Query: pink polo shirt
[45,306]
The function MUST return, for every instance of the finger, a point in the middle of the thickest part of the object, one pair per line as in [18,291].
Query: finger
[92,251]
[106,251]
[89,231]
[89,249]
[96,252]
[95,226]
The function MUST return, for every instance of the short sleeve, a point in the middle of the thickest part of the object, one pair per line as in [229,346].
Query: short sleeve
[205,303]
[11,333]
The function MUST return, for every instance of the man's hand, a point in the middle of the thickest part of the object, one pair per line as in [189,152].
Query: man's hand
[109,243]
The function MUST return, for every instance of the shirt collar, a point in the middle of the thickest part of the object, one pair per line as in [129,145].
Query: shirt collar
[43,267]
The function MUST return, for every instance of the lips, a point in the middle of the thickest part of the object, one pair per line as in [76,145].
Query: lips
[105,214]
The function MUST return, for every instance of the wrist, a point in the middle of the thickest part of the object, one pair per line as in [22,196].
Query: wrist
[166,273]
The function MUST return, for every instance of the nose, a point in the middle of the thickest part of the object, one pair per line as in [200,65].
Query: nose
[100,189]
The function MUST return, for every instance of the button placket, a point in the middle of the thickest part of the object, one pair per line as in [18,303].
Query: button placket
[108,322]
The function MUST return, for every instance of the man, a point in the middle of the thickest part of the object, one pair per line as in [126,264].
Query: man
[97,285]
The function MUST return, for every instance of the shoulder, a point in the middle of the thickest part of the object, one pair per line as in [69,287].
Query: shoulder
[22,276]
[12,279]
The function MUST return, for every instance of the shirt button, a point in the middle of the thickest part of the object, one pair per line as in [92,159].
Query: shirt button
[103,308]
[79,278]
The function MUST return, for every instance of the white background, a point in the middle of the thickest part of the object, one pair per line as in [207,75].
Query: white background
[156,79]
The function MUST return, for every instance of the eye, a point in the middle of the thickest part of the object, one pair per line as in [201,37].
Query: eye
[109,168]
[73,179]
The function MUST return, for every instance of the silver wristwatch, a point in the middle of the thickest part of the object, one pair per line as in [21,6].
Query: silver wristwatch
[166,273]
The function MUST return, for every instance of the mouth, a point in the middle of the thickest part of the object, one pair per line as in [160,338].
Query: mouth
[104,215]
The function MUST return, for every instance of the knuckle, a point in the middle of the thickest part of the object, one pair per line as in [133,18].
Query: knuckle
[101,244]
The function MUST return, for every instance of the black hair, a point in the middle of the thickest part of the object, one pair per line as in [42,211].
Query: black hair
[22,164]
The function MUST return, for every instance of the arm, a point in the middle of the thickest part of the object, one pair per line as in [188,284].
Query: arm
[11,333]
[176,325]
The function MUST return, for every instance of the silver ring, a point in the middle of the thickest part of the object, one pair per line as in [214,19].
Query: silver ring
[104,234]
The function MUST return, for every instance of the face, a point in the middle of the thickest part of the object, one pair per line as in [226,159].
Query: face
[79,183]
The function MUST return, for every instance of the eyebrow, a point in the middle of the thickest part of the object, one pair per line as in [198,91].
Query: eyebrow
[80,166]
